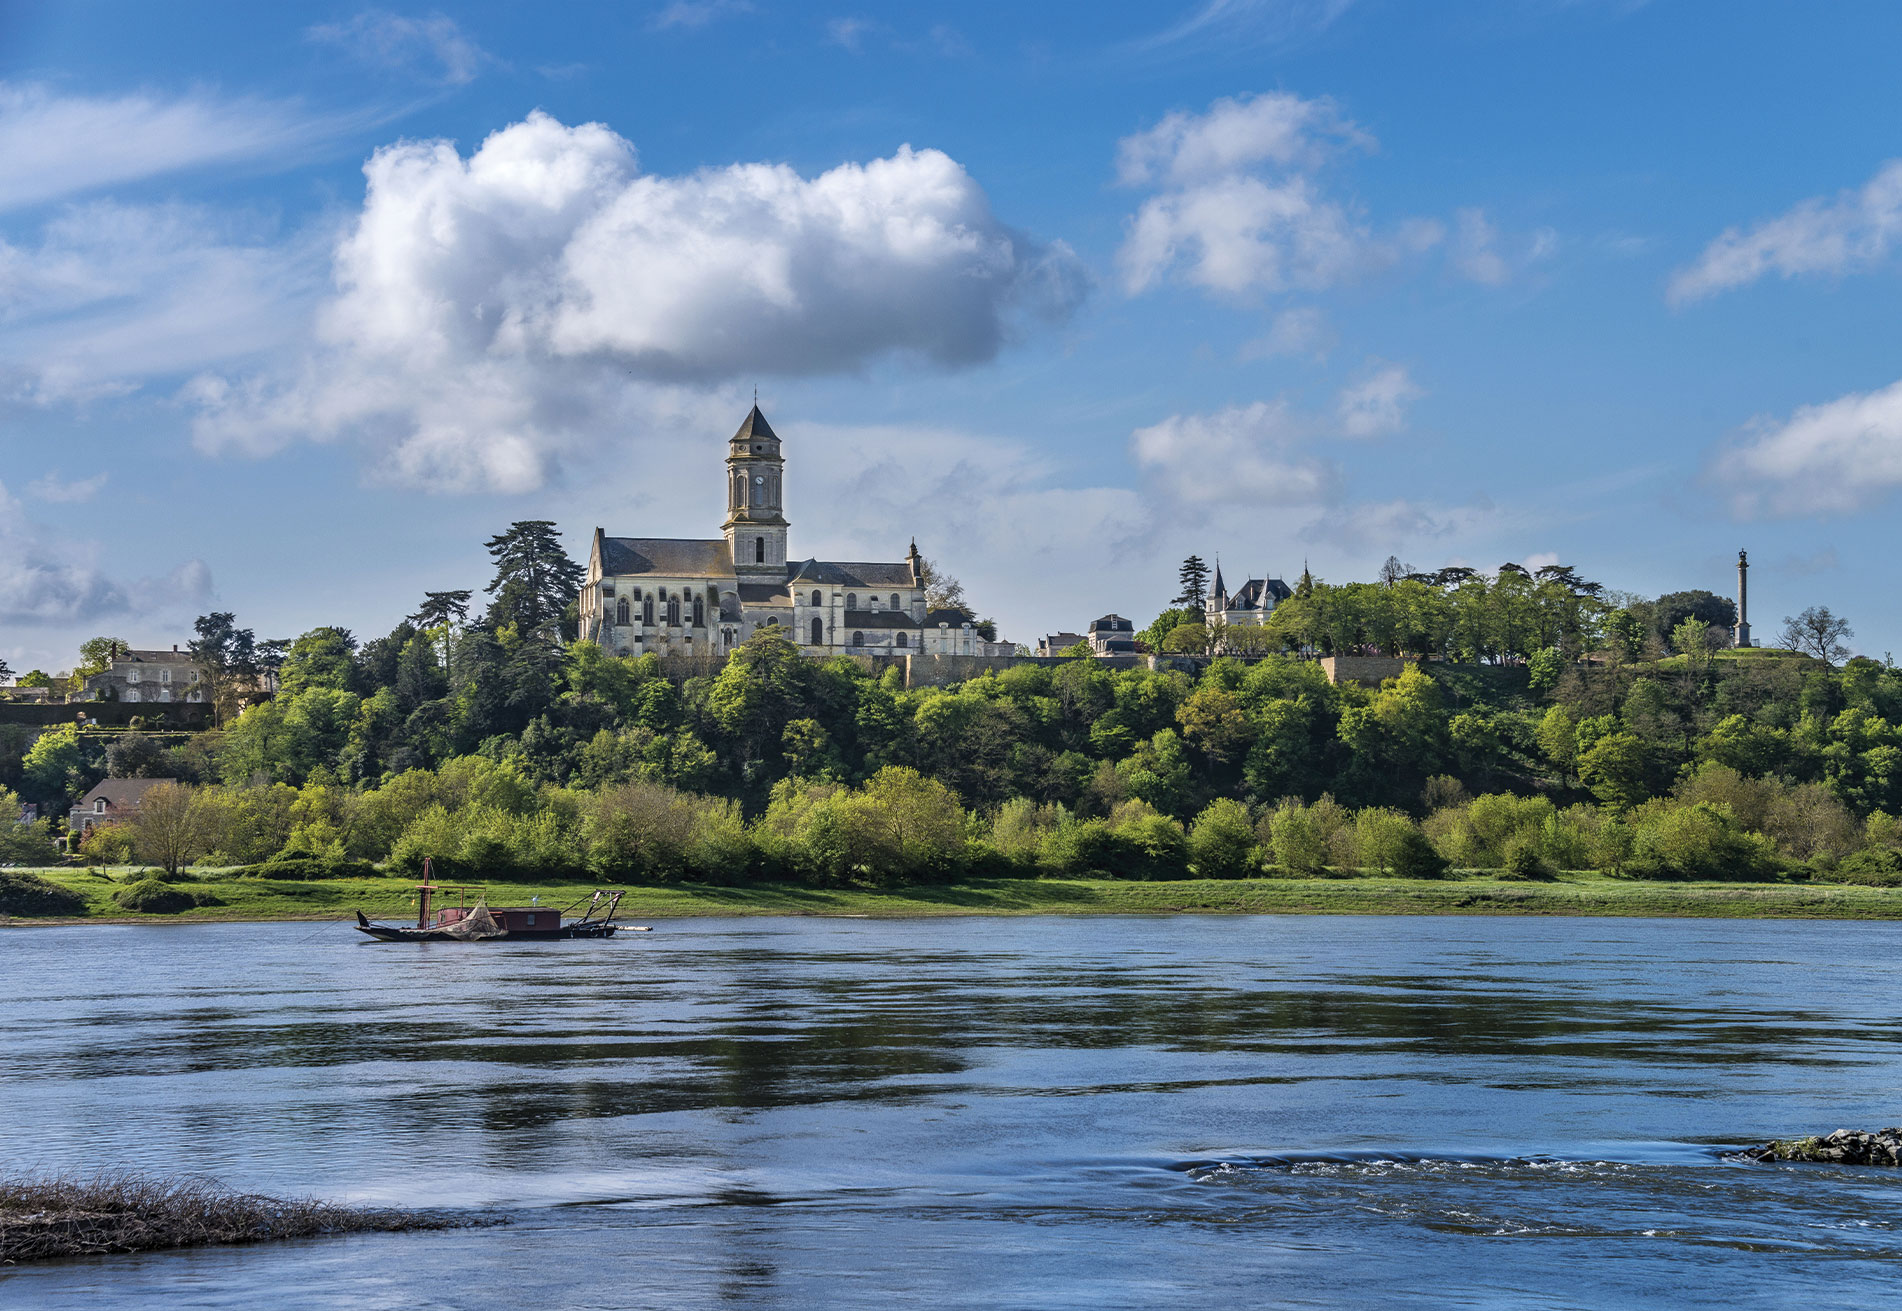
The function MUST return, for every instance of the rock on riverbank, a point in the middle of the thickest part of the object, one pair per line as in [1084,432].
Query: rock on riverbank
[1844,1147]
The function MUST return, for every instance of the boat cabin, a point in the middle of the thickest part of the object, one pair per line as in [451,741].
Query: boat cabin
[513,918]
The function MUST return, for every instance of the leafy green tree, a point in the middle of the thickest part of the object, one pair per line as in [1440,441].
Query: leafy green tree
[1615,767]
[54,767]
[96,655]
[1222,841]
[1558,740]
[35,678]
[323,657]
[227,656]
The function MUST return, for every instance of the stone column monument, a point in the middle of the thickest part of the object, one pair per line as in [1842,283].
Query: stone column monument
[1743,599]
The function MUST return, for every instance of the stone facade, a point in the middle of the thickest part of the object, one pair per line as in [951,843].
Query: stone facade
[161,677]
[114,801]
[698,596]
[1248,606]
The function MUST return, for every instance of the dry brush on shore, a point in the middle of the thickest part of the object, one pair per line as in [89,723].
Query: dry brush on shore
[118,1212]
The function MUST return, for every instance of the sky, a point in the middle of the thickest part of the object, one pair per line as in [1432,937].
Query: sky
[300,305]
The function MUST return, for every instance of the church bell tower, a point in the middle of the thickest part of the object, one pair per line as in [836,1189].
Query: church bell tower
[755,508]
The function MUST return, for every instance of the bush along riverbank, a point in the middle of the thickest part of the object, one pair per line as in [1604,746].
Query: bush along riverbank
[43,1219]
[226,896]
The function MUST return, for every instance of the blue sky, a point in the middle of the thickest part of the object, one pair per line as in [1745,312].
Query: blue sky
[299,304]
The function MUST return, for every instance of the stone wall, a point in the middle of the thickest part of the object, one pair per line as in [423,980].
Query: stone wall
[113,714]
[1369,670]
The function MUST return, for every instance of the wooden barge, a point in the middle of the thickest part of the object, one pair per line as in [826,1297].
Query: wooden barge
[483,923]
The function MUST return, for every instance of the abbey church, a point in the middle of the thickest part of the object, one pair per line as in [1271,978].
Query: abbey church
[679,596]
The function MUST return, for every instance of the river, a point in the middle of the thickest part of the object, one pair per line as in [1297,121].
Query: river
[1069,1112]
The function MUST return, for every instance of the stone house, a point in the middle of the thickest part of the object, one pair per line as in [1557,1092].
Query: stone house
[114,801]
[1057,643]
[1112,635]
[1248,606]
[158,676]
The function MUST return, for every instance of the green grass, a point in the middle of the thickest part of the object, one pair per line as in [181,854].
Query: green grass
[1465,894]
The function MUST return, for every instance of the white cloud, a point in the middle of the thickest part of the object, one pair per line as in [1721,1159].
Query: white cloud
[1300,331]
[432,46]
[1235,135]
[1243,454]
[1836,236]
[1377,405]
[58,491]
[1840,456]
[698,13]
[111,295]
[45,580]
[1478,252]
[1239,208]
[492,311]
[60,145]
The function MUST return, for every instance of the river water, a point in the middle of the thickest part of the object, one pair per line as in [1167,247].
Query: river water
[1039,1113]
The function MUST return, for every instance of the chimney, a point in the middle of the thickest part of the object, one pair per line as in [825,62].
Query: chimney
[174,648]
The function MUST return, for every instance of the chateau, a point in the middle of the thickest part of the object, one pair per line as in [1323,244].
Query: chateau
[679,596]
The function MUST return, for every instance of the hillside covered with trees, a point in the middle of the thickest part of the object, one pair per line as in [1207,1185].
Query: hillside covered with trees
[1552,728]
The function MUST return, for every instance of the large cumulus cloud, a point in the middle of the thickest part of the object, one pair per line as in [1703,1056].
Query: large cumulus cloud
[491,310]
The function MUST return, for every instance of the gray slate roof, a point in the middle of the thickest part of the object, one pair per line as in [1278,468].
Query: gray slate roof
[877,619]
[765,594]
[121,793]
[1112,624]
[851,573]
[947,615]
[1248,595]
[677,557]
[754,428]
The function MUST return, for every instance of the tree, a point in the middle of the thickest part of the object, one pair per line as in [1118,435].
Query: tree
[942,591]
[1819,633]
[1393,571]
[6,671]
[227,655]
[35,678]
[320,658]
[535,581]
[441,608]
[96,655]
[172,826]
[1194,579]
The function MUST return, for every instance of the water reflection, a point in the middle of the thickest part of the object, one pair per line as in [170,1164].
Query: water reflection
[1043,1112]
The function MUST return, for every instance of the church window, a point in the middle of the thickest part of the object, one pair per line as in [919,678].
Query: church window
[647,611]
[900,639]
[818,632]
[673,610]
[621,611]
[772,621]
[637,594]
[817,600]
[759,550]
[894,600]
[851,600]
[700,612]
[858,639]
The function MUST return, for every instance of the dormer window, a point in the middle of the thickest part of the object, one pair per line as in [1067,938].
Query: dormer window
[98,805]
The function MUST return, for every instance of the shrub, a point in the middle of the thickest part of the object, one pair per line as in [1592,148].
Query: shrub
[29,894]
[1872,867]
[155,897]
[1222,842]
[1414,857]
[1524,860]
[301,867]
[1699,842]
[106,844]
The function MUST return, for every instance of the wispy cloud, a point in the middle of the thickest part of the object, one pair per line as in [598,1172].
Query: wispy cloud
[1832,237]
[53,145]
[433,47]
[692,14]
[48,580]
[1376,406]
[1248,23]
[850,33]
[52,488]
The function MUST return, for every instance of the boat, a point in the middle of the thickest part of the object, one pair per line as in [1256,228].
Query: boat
[484,923]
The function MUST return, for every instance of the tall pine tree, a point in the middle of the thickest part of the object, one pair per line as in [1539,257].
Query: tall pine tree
[1194,578]
[535,581]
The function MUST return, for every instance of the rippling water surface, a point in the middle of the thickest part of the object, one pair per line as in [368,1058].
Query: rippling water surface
[1063,1112]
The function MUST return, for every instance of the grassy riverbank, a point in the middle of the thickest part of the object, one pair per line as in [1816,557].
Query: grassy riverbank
[262,899]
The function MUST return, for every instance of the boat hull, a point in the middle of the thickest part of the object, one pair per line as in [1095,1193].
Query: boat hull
[389,933]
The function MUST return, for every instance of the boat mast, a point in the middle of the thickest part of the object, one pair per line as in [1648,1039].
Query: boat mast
[422,901]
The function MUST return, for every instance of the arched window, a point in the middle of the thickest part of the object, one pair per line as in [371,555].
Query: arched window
[673,611]
[759,550]
[817,600]
[622,612]
[851,600]
[858,639]
[647,611]
[637,594]
[818,632]
[699,612]
[901,640]
[894,600]
[772,621]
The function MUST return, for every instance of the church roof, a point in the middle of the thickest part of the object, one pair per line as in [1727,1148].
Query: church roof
[1217,588]
[950,615]
[755,428]
[851,573]
[878,619]
[678,557]
[765,594]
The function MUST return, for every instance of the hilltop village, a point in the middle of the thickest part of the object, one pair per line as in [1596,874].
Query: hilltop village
[724,709]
